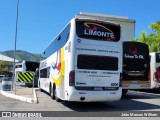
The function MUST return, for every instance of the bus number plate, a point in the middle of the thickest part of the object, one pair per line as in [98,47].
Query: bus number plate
[97,88]
[134,82]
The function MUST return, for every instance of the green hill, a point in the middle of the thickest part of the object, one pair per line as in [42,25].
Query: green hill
[22,55]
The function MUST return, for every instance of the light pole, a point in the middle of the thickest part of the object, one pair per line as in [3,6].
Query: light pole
[15,42]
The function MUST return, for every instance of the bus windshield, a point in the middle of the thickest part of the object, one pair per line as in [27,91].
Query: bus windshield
[136,62]
[135,55]
[31,66]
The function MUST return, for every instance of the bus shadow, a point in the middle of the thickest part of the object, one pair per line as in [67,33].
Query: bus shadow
[127,103]
[140,95]
[132,101]
[155,91]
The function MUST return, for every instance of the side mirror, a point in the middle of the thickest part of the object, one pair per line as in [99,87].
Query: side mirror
[59,37]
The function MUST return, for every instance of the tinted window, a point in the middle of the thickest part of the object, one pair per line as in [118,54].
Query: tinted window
[18,66]
[135,55]
[93,62]
[31,66]
[136,61]
[103,31]
[157,57]
[44,73]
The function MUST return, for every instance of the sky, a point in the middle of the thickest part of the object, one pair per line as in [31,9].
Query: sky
[39,21]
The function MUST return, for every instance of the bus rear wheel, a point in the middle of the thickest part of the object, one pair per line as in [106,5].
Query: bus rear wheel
[56,98]
[52,92]
[124,91]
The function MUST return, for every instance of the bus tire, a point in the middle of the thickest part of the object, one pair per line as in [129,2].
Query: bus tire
[124,91]
[56,98]
[40,87]
[52,92]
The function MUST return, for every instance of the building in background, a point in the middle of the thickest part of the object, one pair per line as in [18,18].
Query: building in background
[6,66]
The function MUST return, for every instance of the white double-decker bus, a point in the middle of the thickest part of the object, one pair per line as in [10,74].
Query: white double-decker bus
[155,70]
[84,62]
[24,73]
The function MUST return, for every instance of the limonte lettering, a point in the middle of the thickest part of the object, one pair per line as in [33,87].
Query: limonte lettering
[99,33]
[134,56]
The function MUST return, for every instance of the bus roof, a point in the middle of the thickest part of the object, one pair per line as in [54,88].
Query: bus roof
[104,17]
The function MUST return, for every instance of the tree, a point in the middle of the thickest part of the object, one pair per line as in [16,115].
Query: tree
[2,64]
[152,39]
[155,36]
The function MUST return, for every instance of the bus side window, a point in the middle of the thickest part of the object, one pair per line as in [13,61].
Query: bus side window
[157,57]
[67,37]
[48,72]
[149,59]
[43,73]
[18,66]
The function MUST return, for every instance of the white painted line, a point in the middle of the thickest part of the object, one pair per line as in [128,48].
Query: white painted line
[21,98]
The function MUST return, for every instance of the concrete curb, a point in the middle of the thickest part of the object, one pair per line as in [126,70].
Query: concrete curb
[33,100]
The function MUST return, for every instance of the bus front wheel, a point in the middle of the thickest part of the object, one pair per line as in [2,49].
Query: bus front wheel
[40,86]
